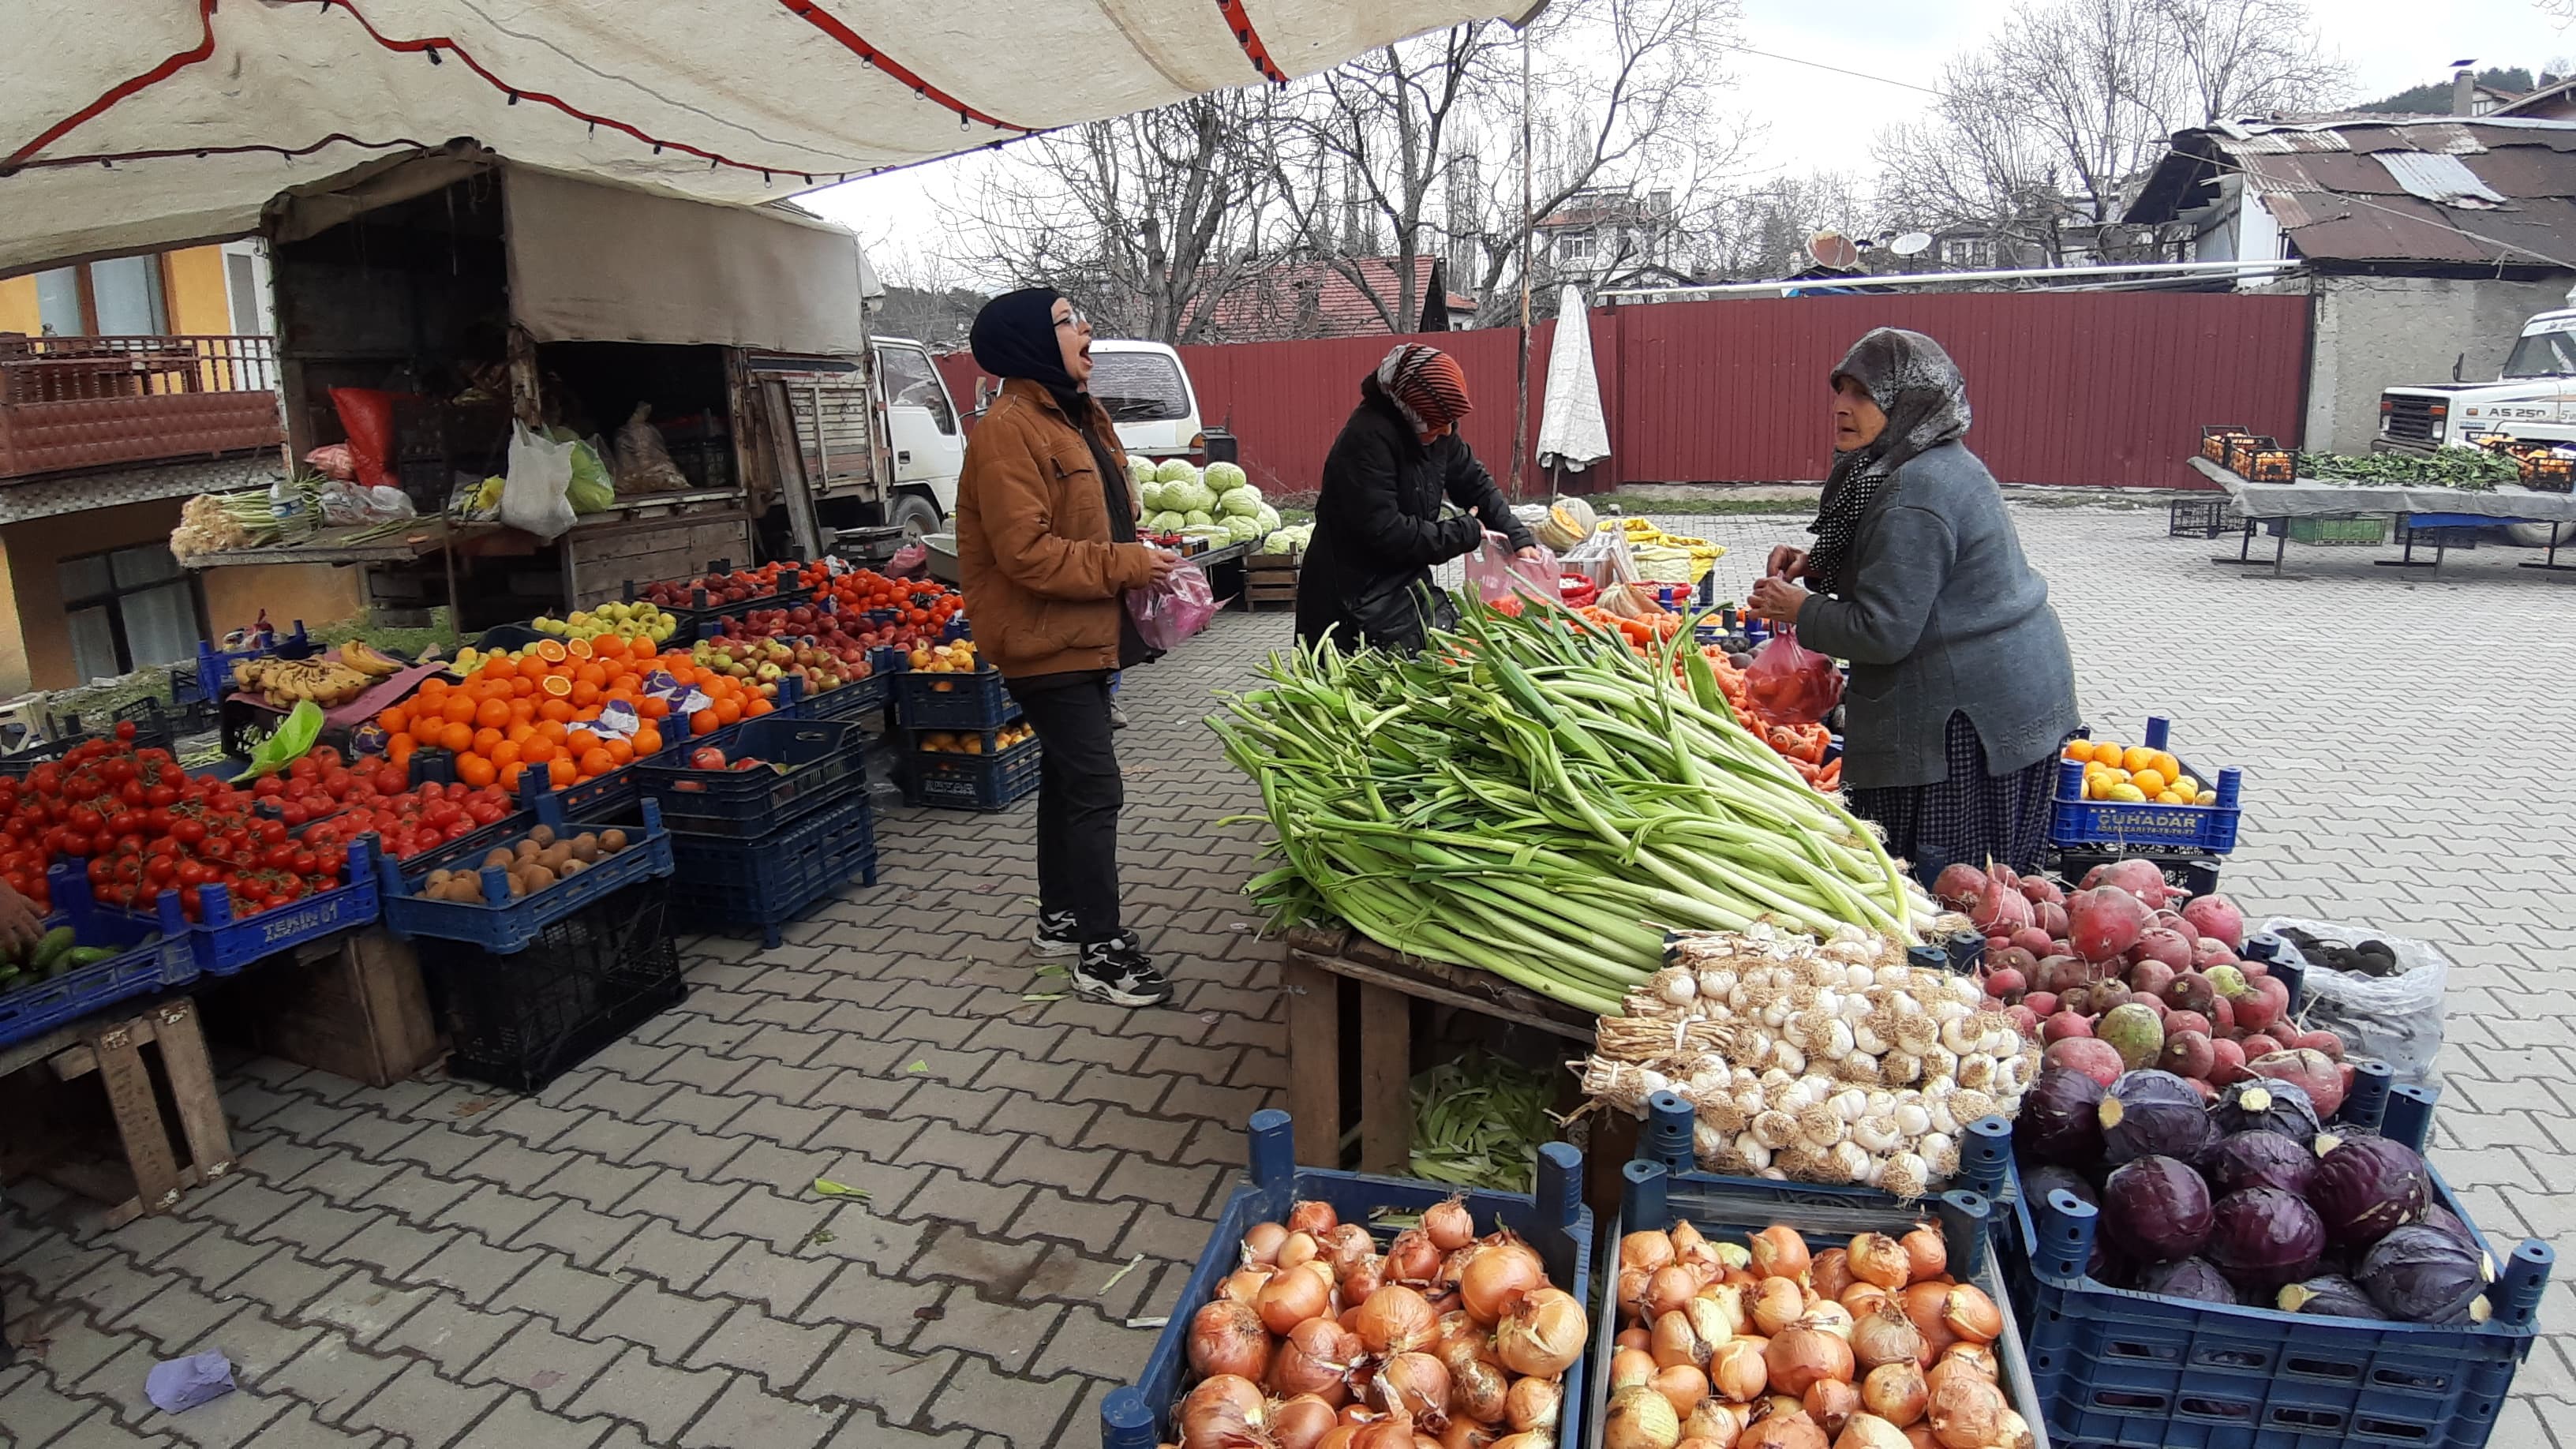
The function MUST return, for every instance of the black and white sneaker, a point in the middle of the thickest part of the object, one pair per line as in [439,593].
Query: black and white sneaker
[1117,716]
[1119,973]
[1055,935]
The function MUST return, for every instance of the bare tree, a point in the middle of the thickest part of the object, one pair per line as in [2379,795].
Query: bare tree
[1146,221]
[2071,101]
[1757,231]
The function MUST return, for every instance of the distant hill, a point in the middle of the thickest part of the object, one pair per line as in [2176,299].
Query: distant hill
[2435,99]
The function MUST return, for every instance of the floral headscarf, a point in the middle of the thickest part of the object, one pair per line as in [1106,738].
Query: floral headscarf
[1916,384]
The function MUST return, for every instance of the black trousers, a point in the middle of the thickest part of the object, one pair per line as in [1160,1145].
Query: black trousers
[1079,794]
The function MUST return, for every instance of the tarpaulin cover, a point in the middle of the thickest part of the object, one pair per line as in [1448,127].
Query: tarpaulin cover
[1571,432]
[151,123]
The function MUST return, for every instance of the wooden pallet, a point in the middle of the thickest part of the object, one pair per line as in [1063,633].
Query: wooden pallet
[147,1174]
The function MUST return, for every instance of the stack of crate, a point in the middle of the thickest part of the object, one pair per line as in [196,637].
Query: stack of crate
[1270,579]
[964,747]
[757,847]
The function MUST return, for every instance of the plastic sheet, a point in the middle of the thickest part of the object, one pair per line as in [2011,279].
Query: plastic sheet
[2396,1018]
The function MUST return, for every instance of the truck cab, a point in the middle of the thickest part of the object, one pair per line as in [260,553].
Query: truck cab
[2534,399]
[1148,396]
[923,435]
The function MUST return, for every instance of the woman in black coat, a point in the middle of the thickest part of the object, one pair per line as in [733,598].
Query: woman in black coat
[1379,524]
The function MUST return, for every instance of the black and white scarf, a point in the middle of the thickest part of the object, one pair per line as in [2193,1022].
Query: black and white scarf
[1916,384]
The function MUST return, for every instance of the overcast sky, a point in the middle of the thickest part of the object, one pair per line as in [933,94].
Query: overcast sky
[1818,120]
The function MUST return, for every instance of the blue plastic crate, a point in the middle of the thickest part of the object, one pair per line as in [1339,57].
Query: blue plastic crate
[2116,1367]
[502,925]
[1554,1221]
[613,796]
[215,666]
[224,945]
[819,769]
[929,701]
[973,782]
[142,968]
[767,882]
[2210,829]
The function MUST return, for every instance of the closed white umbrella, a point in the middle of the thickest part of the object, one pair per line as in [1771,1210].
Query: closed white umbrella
[1572,434]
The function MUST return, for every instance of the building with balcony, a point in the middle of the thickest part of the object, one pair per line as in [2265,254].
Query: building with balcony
[128,386]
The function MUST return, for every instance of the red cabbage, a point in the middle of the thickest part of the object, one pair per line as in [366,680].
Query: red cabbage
[2261,1104]
[2425,1275]
[2259,1159]
[2038,1182]
[2262,1237]
[2156,1209]
[2060,1118]
[2148,1112]
[2364,1186]
[2192,1278]
[2330,1294]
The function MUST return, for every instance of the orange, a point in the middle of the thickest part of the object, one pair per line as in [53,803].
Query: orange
[554,711]
[499,670]
[456,739]
[2106,754]
[577,648]
[2167,766]
[648,741]
[619,750]
[2081,752]
[399,751]
[728,711]
[434,686]
[584,694]
[486,740]
[755,707]
[518,731]
[504,753]
[561,772]
[589,674]
[608,646]
[597,762]
[536,750]
[427,729]
[653,707]
[2150,780]
[523,688]
[531,666]
[556,685]
[548,650]
[553,732]
[704,722]
[492,713]
[393,721]
[2136,758]
[581,742]
[457,708]
[476,771]
[509,777]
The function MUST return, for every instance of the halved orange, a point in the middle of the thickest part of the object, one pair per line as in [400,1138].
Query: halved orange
[577,648]
[548,650]
[556,685]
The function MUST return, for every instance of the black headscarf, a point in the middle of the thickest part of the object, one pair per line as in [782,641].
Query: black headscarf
[1014,336]
[1916,384]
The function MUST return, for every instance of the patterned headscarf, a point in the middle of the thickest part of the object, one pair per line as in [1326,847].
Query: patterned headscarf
[1427,385]
[1916,384]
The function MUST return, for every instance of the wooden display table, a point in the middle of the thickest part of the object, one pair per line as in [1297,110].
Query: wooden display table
[150,1174]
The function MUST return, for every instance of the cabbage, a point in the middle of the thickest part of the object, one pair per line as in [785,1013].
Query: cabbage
[1142,471]
[590,491]
[1188,495]
[1226,477]
[1200,516]
[1243,527]
[1268,515]
[1177,470]
[1239,503]
[1151,492]
[1165,521]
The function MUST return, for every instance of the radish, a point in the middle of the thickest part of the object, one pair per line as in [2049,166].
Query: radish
[2308,1068]
[2210,951]
[2033,940]
[2227,1062]
[2139,878]
[2150,976]
[2157,943]
[2156,1004]
[2261,1004]
[2050,916]
[2103,923]
[1959,886]
[2177,1022]
[2258,1045]
[2187,1053]
[2092,1056]
[2061,974]
[2222,1017]
[2216,915]
[2063,1024]
[2005,985]
[2320,1040]
[2000,912]
[2191,991]
[2042,1004]
[2042,891]
[2024,1021]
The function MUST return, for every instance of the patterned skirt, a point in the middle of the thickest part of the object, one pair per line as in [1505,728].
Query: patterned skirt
[1971,816]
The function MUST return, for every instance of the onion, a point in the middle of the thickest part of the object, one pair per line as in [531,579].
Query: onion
[1412,1257]
[1413,1386]
[1860,1298]
[1674,1340]
[1717,1314]
[1682,1386]
[1976,1358]
[1346,1247]
[1886,1335]
[1831,1272]
[1926,1251]
[1640,1418]
[1544,1333]
[1632,1291]
[1833,1318]
[1243,1285]
[1779,1252]
[1869,1431]
[1783,1431]
[1802,1353]
[1340,1436]
[1477,1389]
[1971,1314]
[1965,1412]
[1291,1298]
[1693,1250]
[1315,1359]
[1923,1305]
[1777,1303]
[1636,1338]
[1297,1248]
[1737,1371]
[1533,1405]
[1669,1289]
[1301,1422]
[1830,1402]
[1313,1218]
[1880,1259]
[1228,1338]
[1632,1366]
[1449,1225]
[1527,1440]
[1395,1320]
[1223,1412]
[1716,1421]
[1466,1433]
[1261,1244]
[1496,1278]
[1647,1250]
[1385,1434]
[1365,1279]
[2014,1432]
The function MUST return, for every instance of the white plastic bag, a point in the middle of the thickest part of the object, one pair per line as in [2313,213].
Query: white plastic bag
[533,500]
[2396,1018]
[1604,558]
[1496,573]
[350,502]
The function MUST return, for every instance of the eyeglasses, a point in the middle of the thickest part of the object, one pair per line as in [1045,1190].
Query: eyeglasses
[1073,318]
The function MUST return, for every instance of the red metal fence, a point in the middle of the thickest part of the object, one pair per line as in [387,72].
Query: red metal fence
[2077,388]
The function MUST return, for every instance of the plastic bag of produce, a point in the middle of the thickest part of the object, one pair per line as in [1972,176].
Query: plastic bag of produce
[590,490]
[1792,683]
[346,502]
[533,497]
[367,416]
[2396,1016]
[333,460]
[294,735]
[1496,573]
[643,464]
[1605,558]
[1171,611]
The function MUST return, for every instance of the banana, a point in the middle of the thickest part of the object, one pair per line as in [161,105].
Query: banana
[363,657]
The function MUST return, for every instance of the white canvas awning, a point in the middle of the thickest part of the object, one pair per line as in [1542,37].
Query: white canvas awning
[153,123]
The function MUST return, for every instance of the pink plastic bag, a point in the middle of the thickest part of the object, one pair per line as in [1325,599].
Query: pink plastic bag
[1496,574]
[1173,610]
[1792,684]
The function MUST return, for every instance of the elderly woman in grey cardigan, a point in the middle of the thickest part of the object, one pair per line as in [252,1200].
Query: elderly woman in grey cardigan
[1961,688]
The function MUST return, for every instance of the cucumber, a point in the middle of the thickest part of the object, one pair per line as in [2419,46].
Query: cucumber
[10,978]
[51,948]
[80,956]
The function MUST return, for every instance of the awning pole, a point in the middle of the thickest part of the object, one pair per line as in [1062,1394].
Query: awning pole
[1520,397]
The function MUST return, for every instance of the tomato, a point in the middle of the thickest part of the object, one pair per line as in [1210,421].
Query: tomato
[85,820]
[268,787]
[305,768]
[71,842]
[193,873]
[270,832]
[706,757]
[336,783]
[161,870]
[327,757]
[443,814]
[125,729]
[161,796]
[389,781]
[188,831]
[126,822]
[294,815]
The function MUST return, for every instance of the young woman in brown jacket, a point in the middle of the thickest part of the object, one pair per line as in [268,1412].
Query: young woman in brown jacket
[1046,542]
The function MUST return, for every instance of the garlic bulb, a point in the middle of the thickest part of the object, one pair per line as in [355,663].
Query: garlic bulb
[1674,984]
[1941,1064]
[1969,1104]
[1708,1141]
[1849,1162]
[1788,1058]
[1976,1070]
[1859,1068]
[1911,1119]
[1820,1126]
[1801,1093]
[1917,1032]
[1860,976]
[1900,1068]
[1960,1034]
[1720,1114]
[1943,1119]
[1751,1149]
[1907,1176]
[1940,1156]
[1774,1129]
[1716,985]
[1850,1103]
[1875,1134]
[1838,1039]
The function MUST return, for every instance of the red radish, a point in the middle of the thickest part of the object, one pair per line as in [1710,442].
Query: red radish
[2309,1068]
[2078,1000]
[2262,1004]
[2109,994]
[2051,917]
[2150,977]
[2251,968]
[2216,915]
[2033,940]
[2227,1062]
[2000,912]
[1959,886]
[2105,922]
[1998,943]
[2157,943]
[2004,985]
[2012,958]
[2139,878]
[2061,973]
[2208,1093]
[2222,1017]
[2187,1053]
[2024,1021]
[2258,1045]
[2344,1071]
[2155,1004]
[2042,1004]
[2210,951]
[2064,1024]
[2190,991]
[2319,1040]
[2092,1056]
[2182,1021]
[2042,891]
[2062,945]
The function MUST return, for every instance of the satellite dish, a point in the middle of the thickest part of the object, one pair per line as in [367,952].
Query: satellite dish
[1834,250]
[1910,243]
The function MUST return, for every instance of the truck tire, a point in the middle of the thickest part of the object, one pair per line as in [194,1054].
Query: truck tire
[915,515]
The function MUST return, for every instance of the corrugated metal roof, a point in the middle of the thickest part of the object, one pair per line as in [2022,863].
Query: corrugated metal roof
[2437,177]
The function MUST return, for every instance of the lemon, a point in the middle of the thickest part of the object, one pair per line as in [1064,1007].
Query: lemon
[2149,781]
[2167,797]
[2186,787]
[2208,797]
[2128,793]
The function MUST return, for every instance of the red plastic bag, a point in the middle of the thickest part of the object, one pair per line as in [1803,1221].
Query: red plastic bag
[1171,611]
[1496,574]
[367,416]
[1790,683]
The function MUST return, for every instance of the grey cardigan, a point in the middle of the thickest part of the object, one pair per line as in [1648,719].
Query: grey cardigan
[1940,613]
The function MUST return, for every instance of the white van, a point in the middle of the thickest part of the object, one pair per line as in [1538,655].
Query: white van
[923,434]
[1147,393]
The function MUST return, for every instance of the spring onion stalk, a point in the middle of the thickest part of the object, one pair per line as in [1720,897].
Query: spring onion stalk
[1529,797]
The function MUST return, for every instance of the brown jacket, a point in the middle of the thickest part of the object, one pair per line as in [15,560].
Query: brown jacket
[1042,577]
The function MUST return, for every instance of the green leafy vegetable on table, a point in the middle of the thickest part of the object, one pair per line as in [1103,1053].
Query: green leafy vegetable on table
[1477,1122]
[2473,470]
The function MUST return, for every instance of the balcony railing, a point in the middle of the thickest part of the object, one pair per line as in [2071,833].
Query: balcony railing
[90,402]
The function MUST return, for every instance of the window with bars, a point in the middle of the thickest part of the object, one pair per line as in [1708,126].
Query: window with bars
[128,608]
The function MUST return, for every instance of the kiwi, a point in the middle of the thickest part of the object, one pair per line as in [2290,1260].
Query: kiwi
[554,856]
[464,889]
[573,867]
[498,855]
[538,877]
[585,846]
[436,879]
[612,841]
[543,835]
[525,851]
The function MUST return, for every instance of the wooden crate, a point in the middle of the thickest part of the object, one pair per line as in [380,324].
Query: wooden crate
[43,1113]
[356,1008]
[1270,579]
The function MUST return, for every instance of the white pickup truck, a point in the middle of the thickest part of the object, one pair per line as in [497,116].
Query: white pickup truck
[2534,399]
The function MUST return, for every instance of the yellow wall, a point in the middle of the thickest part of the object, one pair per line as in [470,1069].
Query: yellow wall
[193,284]
[318,594]
[18,305]
[13,650]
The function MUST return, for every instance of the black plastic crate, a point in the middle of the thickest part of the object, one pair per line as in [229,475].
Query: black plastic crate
[820,768]
[973,782]
[151,731]
[925,700]
[2202,518]
[520,1021]
[765,883]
